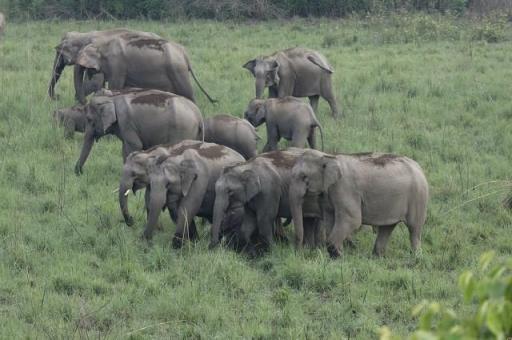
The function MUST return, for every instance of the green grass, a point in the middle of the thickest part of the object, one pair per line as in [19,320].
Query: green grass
[70,268]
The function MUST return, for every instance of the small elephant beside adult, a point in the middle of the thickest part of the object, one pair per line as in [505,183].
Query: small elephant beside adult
[141,119]
[233,132]
[374,189]
[185,184]
[289,118]
[72,119]
[298,72]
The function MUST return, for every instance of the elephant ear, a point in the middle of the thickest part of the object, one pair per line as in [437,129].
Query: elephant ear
[108,114]
[250,65]
[252,184]
[274,72]
[89,57]
[332,172]
[188,174]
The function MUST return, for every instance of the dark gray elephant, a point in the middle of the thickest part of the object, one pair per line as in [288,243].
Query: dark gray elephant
[72,119]
[374,189]
[186,185]
[140,119]
[298,72]
[67,54]
[252,195]
[289,118]
[129,60]
[232,132]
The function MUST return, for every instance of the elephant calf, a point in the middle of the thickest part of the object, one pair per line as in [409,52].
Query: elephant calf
[374,189]
[140,119]
[289,118]
[232,132]
[185,183]
[73,119]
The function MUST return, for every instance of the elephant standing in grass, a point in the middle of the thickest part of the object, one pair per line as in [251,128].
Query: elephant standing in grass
[67,53]
[250,197]
[130,60]
[140,119]
[232,132]
[298,72]
[186,185]
[374,189]
[72,119]
[289,118]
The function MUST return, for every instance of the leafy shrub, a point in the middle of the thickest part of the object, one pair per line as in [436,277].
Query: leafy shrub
[491,292]
[491,29]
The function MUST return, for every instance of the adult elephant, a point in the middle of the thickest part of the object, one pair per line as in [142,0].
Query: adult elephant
[140,119]
[374,189]
[67,52]
[298,72]
[252,195]
[129,60]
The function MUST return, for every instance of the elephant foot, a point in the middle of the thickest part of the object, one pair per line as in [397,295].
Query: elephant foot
[378,252]
[147,234]
[213,245]
[78,169]
[177,242]
[333,252]
[281,238]
[129,221]
[349,243]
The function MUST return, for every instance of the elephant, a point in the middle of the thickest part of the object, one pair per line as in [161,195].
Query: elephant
[140,119]
[72,118]
[374,189]
[298,72]
[186,185]
[288,117]
[129,60]
[67,53]
[250,196]
[2,23]
[232,132]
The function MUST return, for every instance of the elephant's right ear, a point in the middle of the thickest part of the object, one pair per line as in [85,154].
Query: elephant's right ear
[332,172]
[89,57]
[250,65]
[252,184]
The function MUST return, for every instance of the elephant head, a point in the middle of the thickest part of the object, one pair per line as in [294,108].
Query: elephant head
[233,190]
[265,70]
[313,173]
[101,117]
[256,112]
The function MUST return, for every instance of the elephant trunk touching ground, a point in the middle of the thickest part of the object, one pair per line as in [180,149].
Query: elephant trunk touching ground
[296,198]
[86,148]
[79,74]
[58,67]
[125,185]
[219,209]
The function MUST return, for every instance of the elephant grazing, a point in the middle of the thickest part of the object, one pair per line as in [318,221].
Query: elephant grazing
[73,119]
[185,183]
[374,189]
[298,72]
[140,119]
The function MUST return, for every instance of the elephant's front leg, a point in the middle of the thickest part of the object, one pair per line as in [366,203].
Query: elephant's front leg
[265,224]
[347,218]
[272,138]
[156,204]
[187,210]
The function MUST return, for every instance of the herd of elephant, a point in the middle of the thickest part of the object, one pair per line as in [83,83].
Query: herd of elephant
[210,168]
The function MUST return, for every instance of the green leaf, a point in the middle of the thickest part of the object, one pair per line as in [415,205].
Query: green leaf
[493,322]
[467,285]
[486,259]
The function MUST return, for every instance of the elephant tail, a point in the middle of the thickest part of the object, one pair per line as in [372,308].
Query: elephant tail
[320,63]
[319,126]
[202,133]
[213,101]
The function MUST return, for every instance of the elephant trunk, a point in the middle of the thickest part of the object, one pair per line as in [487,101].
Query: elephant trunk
[260,85]
[219,211]
[58,67]
[86,148]
[79,74]
[125,185]
[296,199]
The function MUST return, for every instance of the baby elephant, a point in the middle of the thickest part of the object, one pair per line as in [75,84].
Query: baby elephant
[73,119]
[288,117]
[232,132]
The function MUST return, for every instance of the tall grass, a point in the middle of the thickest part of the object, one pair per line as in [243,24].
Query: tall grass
[70,268]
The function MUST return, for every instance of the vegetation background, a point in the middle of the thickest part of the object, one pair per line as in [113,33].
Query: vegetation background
[433,87]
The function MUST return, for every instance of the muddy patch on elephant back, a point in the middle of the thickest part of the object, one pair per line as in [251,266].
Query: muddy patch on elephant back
[155,44]
[212,152]
[155,99]
[281,159]
[378,159]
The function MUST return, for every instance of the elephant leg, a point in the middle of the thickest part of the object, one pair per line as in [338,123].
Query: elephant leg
[265,226]
[273,138]
[382,239]
[299,138]
[414,236]
[189,207]
[69,129]
[272,92]
[346,221]
[319,233]
[313,101]
[193,235]
[309,233]
[280,234]
[131,143]
[312,138]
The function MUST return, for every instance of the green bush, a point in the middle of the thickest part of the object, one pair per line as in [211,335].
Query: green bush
[489,293]
[491,29]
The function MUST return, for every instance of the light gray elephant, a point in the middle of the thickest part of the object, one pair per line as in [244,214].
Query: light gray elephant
[72,119]
[374,189]
[232,132]
[67,54]
[298,72]
[186,185]
[129,60]
[140,119]
[289,118]
[250,197]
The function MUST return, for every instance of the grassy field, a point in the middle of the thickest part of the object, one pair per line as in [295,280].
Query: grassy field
[420,87]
